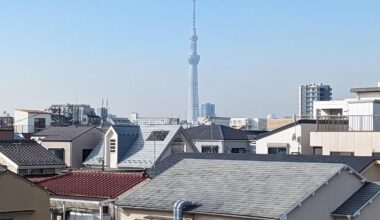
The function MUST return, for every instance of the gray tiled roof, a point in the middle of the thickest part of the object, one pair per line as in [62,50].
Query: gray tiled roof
[216,132]
[356,163]
[358,200]
[126,135]
[233,187]
[63,133]
[96,156]
[133,149]
[28,153]
[141,153]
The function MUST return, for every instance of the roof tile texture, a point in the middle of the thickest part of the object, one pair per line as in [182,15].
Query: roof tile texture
[92,184]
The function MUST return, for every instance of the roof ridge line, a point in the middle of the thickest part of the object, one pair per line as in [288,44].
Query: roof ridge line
[53,177]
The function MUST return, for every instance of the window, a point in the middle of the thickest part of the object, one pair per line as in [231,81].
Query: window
[105,210]
[58,152]
[210,149]
[39,124]
[85,153]
[112,145]
[337,153]
[157,136]
[238,150]
[277,150]
[317,150]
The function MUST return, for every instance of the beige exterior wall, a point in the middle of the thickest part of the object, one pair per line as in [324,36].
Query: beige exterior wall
[65,145]
[328,198]
[132,214]
[86,141]
[18,194]
[360,143]
[73,150]
[274,123]
[372,172]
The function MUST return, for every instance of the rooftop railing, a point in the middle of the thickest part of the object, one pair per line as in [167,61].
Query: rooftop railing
[348,123]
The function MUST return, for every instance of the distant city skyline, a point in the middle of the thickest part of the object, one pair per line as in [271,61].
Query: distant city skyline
[255,54]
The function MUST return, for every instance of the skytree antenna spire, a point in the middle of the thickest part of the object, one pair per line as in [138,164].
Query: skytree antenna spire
[194,16]
[193,99]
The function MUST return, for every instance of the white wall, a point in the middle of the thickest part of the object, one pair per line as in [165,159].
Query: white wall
[110,158]
[286,137]
[322,106]
[24,121]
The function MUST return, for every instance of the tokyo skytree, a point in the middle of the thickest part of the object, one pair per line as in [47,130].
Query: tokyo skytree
[193,98]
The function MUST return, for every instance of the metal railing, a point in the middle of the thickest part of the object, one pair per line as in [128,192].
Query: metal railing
[348,123]
[28,128]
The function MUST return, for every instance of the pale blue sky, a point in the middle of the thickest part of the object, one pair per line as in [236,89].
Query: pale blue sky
[254,53]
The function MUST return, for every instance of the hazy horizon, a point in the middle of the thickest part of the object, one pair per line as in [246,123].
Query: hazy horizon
[254,54]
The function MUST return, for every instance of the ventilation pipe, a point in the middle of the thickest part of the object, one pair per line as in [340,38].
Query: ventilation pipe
[180,206]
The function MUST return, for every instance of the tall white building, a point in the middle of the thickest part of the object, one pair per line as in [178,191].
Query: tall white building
[193,99]
[310,93]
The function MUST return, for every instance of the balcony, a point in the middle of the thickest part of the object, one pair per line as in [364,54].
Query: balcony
[348,123]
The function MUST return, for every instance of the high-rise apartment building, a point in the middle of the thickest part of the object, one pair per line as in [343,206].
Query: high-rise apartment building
[207,110]
[310,93]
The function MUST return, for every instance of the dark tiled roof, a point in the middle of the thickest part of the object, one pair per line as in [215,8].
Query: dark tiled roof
[302,121]
[356,163]
[63,133]
[92,184]
[28,153]
[215,132]
[358,201]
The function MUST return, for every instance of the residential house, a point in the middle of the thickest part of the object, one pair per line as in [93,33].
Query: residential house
[351,128]
[22,199]
[6,127]
[139,147]
[254,190]
[71,144]
[27,157]
[28,122]
[89,194]
[219,139]
[369,167]
[290,139]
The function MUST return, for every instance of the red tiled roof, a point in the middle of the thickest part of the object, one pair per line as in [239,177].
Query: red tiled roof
[92,184]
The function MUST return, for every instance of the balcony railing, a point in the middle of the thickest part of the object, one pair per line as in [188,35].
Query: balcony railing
[28,128]
[348,123]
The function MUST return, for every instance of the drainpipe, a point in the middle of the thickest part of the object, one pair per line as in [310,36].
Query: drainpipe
[101,212]
[63,211]
[180,206]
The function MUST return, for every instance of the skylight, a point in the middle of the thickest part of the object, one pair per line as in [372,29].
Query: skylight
[157,136]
